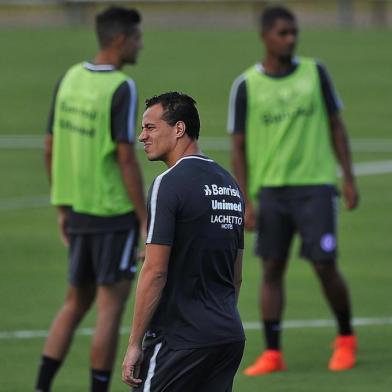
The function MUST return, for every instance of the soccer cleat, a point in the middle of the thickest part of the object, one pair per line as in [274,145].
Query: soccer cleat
[268,362]
[343,357]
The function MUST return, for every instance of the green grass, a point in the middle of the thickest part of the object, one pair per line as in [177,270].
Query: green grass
[33,264]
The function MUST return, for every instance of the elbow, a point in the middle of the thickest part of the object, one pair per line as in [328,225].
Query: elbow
[238,281]
[160,276]
[155,277]
[159,279]
[48,156]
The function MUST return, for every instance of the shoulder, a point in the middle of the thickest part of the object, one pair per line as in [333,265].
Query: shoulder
[185,171]
[306,60]
[126,88]
[75,68]
[242,78]
[163,181]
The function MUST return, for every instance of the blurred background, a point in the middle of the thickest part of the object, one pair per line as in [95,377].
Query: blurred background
[198,47]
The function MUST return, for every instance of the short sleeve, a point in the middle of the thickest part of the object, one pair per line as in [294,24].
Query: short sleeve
[162,208]
[236,121]
[331,98]
[241,244]
[49,127]
[123,113]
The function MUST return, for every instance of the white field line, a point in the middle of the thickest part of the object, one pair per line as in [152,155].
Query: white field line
[39,201]
[248,325]
[33,142]
[18,203]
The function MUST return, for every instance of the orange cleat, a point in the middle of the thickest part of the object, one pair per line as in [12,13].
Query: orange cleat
[343,357]
[268,362]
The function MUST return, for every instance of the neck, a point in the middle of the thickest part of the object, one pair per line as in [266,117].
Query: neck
[108,56]
[277,65]
[183,150]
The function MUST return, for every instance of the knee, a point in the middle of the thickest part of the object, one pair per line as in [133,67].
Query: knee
[326,270]
[113,299]
[273,272]
[78,305]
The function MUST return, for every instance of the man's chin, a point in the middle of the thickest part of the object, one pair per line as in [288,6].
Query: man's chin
[131,61]
[153,158]
[286,58]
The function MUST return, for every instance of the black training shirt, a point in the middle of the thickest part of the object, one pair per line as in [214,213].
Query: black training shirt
[196,208]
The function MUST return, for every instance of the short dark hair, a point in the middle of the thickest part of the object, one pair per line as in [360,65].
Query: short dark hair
[271,14]
[178,107]
[114,21]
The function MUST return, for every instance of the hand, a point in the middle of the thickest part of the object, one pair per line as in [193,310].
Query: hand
[62,220]
[131,366]
[350,193]
[250,217]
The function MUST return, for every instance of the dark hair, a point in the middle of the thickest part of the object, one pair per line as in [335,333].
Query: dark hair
[271,14]
[114,21]
[178,107]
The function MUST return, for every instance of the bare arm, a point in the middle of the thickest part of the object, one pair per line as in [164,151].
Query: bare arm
[238,161]
[62,216]
[48,155]
[152,280]
[342,151]
[238,273]
[133,180]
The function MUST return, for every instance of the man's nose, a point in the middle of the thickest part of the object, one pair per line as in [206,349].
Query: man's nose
[142,136]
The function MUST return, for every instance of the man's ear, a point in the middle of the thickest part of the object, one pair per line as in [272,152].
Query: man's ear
[180,129]
[118,40]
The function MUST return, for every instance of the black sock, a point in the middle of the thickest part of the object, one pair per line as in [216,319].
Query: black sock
[344,323]
[100,380]
[46,373]
[272,334]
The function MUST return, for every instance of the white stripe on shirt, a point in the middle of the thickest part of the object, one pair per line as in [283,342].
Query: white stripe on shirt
[232,102]
[132,110]
[154,193]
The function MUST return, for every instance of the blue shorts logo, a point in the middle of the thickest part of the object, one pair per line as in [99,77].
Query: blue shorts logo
[328,242]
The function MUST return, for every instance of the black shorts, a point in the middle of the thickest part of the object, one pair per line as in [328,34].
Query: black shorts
[310,211]
[209,369]
[103,258]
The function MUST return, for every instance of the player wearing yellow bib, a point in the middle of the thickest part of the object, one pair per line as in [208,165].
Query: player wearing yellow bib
[97,187]
[287,133]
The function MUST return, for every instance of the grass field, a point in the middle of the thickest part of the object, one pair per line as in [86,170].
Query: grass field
[203,64]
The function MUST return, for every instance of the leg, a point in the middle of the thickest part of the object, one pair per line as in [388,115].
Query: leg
[111,301]
[276,231]
[114,266]
[336,292]
[317,222]
[207,369]
[77,303]
[271,297]
[221,368]
[273,243]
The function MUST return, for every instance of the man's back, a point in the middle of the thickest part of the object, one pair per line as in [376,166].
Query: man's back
[85,172]
[196,207]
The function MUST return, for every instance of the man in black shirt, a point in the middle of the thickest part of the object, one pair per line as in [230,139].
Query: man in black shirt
[188,287]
